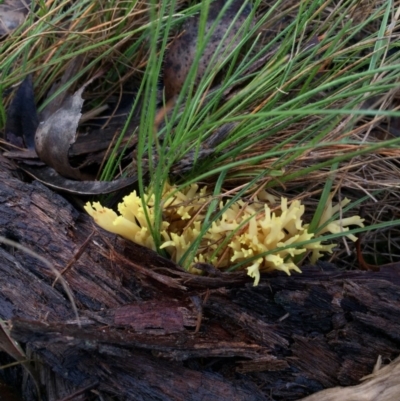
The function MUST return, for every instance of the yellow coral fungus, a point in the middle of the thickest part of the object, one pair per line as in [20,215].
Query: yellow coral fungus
[262,240]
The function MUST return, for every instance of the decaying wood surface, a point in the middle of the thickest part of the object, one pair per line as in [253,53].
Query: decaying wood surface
[149,331]
[383,385]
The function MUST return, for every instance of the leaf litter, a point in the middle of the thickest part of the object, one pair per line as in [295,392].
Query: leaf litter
[12,14]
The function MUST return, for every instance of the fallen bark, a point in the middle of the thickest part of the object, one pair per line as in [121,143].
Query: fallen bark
[148,330]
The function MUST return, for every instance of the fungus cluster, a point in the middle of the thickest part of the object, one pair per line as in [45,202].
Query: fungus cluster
[248,232]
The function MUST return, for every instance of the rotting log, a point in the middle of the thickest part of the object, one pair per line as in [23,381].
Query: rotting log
[149,331]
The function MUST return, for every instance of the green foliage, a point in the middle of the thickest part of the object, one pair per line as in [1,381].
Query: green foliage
[323,65]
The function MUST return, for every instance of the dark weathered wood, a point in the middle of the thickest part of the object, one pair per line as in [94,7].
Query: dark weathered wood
[150,331]
[382,385]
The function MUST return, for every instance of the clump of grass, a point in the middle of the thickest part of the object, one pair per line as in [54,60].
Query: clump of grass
[111,35]
[303,123]
[313,119]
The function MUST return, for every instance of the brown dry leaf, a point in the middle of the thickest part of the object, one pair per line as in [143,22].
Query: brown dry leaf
[12,14]
[55,135]
[182,52]
[70,71]
[54,138]
[22,119]
[52,179]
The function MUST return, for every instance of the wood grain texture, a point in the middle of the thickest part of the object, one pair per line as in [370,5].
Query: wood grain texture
[283,340]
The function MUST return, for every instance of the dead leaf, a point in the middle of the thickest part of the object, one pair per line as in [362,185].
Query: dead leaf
[22,119]
[12,14]
[71,70]
[52,179]
[183,51]
[55,135]
[54,140]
